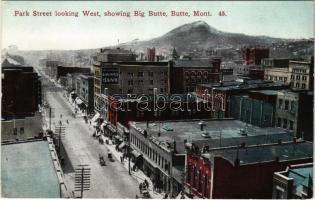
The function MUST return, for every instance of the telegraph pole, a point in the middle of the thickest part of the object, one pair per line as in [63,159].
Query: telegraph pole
[82,179]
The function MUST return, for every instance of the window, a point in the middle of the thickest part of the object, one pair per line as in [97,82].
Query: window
[279,192]
[206,194]
[195,178]
[285,123]
[291,125]
[130,74]
[130,82]
[151,74]
[286,105]
[21,130]
[285,79]
[303,85]
[304,78]
[161,90]
[297,85]
[189,174]
[280,103]
[130,91]
[140,82]
[14,131]
[140,74]
[292,77]
[151,82]
[200,182]
[298,77]
[279,122]
[293,105]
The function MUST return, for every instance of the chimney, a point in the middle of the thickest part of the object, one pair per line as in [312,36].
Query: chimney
[201,123]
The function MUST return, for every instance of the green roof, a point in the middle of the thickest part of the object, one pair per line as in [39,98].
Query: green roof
[27,171]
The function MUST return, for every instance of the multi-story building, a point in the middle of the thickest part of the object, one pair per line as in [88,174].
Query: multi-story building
[302,77]
[151,54]
[253,56]
[296,182]
[219,94]
[85,91]
[299,74]
[294,112]
[187,73]
[257,107]
[241,171]
[51,68]
[160,146]
[21,90]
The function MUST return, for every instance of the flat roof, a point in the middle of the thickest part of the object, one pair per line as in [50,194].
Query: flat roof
[264,153]
[248,84]
[27,171]
[190,130]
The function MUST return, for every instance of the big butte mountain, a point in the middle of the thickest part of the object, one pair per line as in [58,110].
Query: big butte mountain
[187,38]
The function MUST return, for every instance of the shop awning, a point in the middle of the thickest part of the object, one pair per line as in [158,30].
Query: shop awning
[96,116]
[122,145]
[136,153]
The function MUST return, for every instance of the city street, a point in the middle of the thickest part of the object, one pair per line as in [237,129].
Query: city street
[110,181]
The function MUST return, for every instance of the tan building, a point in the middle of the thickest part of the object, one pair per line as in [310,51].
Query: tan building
[301,75]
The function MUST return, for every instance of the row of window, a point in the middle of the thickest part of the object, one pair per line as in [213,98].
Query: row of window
[298,85]
[151,153]
[287,105]
[277,78]
[284,123]
[150,90]
[299,70]
[15,131]
[140,82]
[297,77]
[150,74]
[198,181]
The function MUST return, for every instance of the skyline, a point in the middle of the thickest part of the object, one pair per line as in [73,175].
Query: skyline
[70,33]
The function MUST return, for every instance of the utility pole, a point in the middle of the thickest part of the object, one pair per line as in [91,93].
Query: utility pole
[82,179]
[60,130]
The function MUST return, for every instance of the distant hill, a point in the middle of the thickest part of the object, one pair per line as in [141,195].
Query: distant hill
[199,35]
[193,37]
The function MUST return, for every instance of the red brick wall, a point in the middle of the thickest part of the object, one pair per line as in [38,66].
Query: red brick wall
[205,169]
[248,181]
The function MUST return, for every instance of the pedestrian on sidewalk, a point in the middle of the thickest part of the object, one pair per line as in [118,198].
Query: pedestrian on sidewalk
[121,159]
[140,187]
[146,183]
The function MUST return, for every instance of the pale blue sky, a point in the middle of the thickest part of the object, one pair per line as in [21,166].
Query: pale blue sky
[285,19]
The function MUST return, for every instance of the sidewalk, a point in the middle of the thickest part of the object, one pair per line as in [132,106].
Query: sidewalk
[138,175]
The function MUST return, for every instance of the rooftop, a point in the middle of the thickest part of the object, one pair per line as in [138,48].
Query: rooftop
[190,130]
[193,63]
[248,84]
[27,171]
[264,153]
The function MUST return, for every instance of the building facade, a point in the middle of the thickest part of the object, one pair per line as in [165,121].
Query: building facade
[85,91]
[254,55]
[21,90]
[296,182]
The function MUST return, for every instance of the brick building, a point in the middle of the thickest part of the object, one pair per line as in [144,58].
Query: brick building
[254,55]
[191,108]
[187,73]
[160,146]
[242,172]
[151,54]
[21,90]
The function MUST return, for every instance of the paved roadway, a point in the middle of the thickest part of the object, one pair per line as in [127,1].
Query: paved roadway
[110,181]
